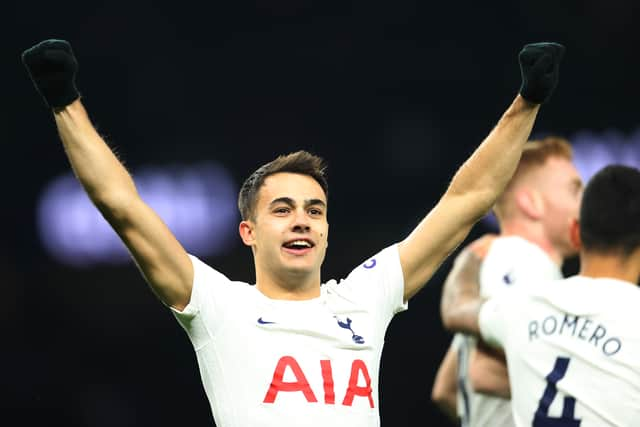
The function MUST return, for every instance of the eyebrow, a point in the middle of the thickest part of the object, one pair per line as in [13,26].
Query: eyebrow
[290,202]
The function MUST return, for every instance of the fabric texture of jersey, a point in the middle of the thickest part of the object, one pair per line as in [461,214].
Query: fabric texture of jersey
[266,362]
[573,351]
[510,261]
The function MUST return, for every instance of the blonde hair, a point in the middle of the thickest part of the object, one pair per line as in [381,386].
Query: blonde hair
[534,155]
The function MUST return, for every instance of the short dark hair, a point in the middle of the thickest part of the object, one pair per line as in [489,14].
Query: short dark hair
[610,211]
[301,162]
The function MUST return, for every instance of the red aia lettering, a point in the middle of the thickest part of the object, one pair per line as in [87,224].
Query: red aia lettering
[301,383]
[358,367]
[327,377]
[354,389]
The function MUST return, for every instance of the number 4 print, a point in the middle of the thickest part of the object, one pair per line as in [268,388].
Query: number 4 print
[542,418]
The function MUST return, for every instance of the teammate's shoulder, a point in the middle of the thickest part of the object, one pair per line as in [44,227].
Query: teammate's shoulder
[622,290]
[480,247]
[514,246]
[512,241]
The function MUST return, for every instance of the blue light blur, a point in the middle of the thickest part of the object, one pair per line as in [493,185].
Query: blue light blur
[197,202]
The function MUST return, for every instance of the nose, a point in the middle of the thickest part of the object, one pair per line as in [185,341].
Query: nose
[301,222]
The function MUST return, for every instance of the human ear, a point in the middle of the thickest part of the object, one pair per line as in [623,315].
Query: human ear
[574,234]
[530,203]
[327,238]
[247,233]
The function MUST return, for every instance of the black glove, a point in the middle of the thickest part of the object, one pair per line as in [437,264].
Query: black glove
[540,70]
[52,68]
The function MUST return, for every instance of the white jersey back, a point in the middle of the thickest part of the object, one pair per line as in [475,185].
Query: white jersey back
[573,351]
[509,261]
[266,362]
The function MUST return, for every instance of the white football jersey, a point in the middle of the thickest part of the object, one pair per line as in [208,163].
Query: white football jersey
[573,351]
[513,260]
[509,261]
[266,362]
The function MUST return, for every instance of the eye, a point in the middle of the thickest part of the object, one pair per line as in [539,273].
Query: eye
[315,211]
[282,210]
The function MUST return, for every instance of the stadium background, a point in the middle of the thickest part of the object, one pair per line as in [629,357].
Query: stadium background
[394,94]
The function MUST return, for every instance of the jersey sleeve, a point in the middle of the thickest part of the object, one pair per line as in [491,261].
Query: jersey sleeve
[209,294]
[492,319]
[379,282]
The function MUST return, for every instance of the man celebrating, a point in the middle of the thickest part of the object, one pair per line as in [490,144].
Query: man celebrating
[534,214]
[290,350]
[572,345]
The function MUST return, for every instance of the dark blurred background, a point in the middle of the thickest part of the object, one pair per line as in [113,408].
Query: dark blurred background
[394,94]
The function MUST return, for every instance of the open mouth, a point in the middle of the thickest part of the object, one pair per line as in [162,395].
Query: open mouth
[298,245]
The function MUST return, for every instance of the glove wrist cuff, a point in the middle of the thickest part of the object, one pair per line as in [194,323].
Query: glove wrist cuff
[60,97]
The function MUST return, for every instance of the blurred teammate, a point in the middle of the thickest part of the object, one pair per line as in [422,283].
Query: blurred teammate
[534,214]
[289,351]
[572,345]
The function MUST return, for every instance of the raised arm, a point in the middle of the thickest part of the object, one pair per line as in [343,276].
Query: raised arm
[162,260]
[483,177]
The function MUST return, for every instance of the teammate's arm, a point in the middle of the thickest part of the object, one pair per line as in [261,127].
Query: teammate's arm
[460,305]
[162,260]
[445,388]
[461,301]
[488,371]
[483,177]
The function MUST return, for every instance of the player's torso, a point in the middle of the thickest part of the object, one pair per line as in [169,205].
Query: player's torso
[314,360]
[574,359]
[510,262]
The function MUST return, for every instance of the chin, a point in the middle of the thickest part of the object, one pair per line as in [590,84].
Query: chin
[300,270]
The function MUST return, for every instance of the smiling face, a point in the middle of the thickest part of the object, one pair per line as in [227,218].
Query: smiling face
[288,231]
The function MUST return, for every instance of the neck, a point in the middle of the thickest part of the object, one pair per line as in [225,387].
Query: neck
[616,266]
[533,235]
[293,286]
